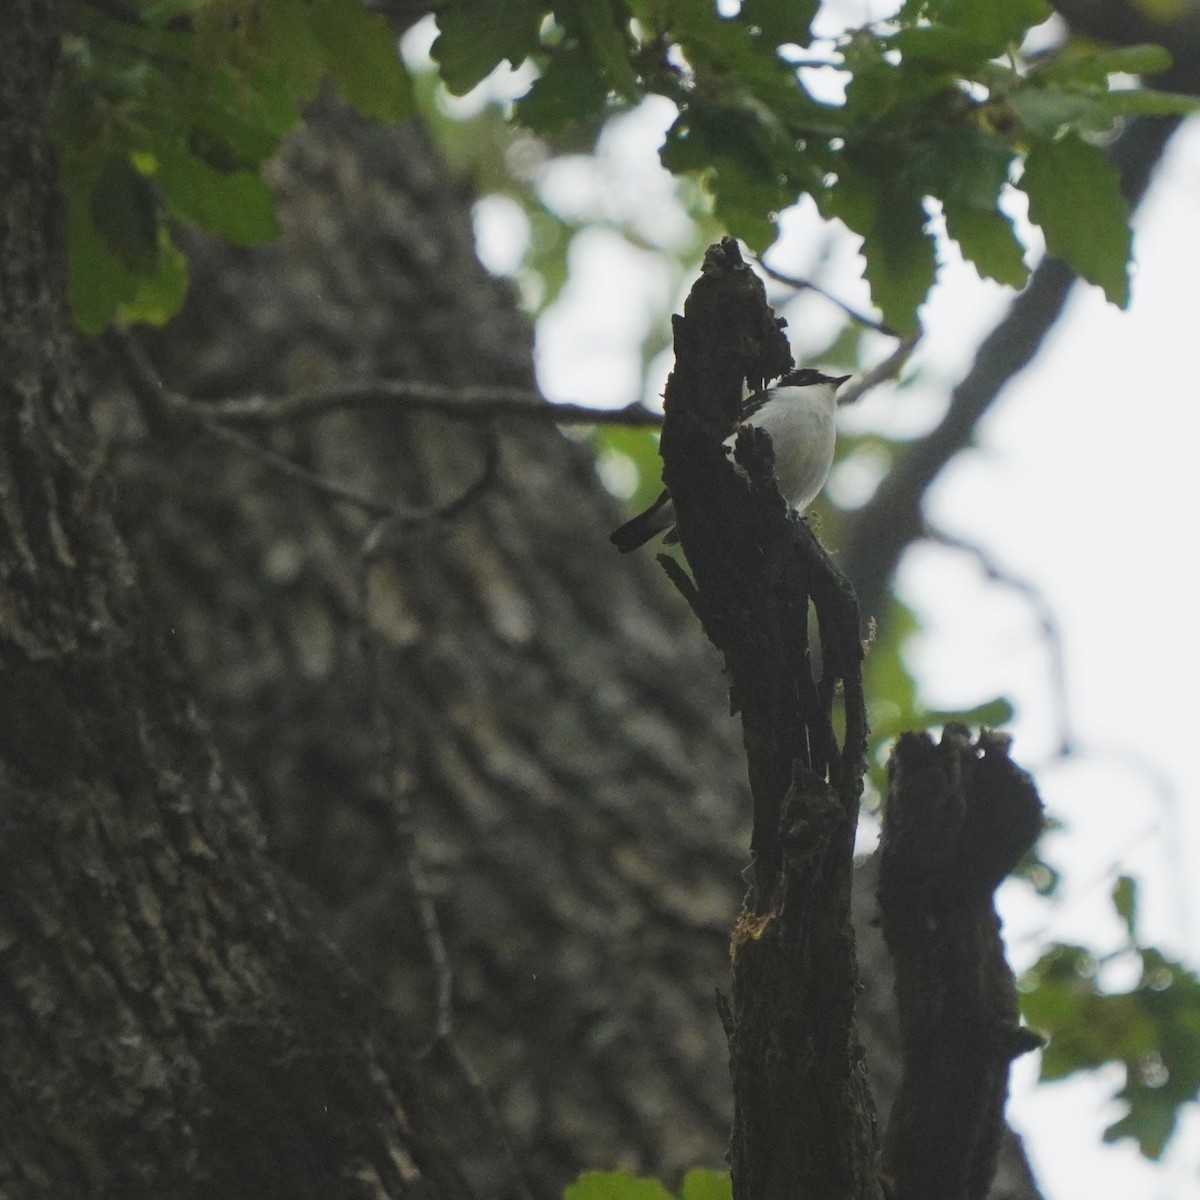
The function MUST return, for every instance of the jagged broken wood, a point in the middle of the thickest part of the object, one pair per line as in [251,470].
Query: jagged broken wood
[804,1119]
[960,815]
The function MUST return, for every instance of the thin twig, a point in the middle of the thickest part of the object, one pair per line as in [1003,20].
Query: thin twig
[285,466]
[398,522]
[806,285]
[467,402]
[162,409]
[888,369]
[401,824]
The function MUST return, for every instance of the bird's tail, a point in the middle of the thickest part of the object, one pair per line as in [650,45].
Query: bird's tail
[659,516]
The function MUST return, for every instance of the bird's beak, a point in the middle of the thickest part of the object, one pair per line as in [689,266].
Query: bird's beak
[839,380]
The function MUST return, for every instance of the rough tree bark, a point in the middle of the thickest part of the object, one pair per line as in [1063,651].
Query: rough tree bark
[959,817]
[170,1025]
[579,803]
[577,797]
[804,1119]
[540,713]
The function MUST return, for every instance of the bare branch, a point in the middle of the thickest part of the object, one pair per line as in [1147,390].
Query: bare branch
[449,1077]
[806,285]
[399,521]
[888,369]
[466,403]
[163,409]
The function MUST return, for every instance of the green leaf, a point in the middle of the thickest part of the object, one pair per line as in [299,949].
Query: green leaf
[1000,23]
[853,198]
[1071,65]
[1153,1031]
[1150,1121]
[900,262]
[703,1184]
[992,713]
[965,166]
[604,31]
[1146,102]
[158,296]
[749,208]
[640,445]
[237,205]
[615,1185]
[125,213]
[250,114]
[987,239]
[781,21]
[477,38]
[887,676]
[363,58]
[732,66]
[940,45]
[570,89]
[744,157]
[881,90]
[1039,874]
[1047,111]
[288,50]
[1074,195]
[1125,901]
[161,12]
[99,280]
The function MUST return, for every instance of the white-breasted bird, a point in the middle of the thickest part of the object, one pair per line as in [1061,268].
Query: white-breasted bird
[798,414]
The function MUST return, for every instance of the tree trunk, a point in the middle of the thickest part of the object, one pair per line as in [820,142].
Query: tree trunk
[561,738]
[537,714]
[170,1026]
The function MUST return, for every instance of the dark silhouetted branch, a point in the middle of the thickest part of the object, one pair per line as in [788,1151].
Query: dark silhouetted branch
[959,816]
[804,1120]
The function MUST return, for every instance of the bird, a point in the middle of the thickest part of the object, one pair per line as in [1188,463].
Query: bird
[798,414]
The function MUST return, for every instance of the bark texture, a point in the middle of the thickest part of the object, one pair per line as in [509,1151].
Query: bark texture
[804,1120]
[550,719]
[960,815]
[169,1025]
[540,714]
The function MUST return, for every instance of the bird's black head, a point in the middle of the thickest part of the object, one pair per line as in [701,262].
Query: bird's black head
[807,377]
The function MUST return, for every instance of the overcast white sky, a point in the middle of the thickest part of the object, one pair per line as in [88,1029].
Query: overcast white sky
[1085,482]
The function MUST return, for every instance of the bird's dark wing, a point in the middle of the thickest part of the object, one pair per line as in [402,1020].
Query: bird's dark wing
[751,404]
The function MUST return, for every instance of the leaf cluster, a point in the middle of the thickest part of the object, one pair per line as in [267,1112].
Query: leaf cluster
[166,110]
[939,114]
[1151,1030]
